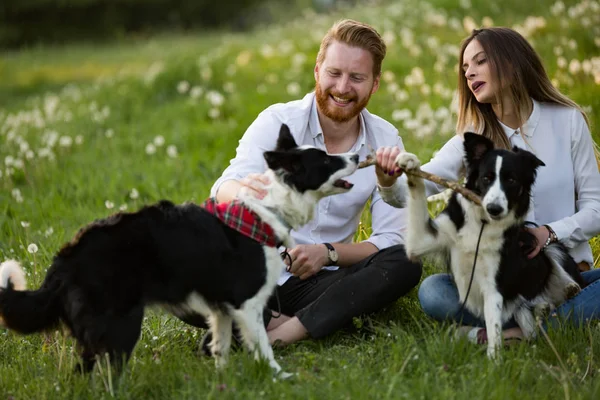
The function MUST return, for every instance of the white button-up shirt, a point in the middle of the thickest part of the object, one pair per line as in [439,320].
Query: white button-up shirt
[566,194]
[337,217]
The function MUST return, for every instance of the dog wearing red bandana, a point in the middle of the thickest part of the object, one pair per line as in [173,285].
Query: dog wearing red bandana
[218,261]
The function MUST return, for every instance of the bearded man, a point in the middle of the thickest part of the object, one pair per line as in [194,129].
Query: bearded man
[330,279]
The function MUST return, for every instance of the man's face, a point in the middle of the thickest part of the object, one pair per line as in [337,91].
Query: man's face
[344,82]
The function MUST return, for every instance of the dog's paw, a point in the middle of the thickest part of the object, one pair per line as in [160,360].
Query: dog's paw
[407,161]
[572,290]
[542,310]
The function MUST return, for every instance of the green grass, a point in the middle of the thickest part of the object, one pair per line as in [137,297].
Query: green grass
[75,124]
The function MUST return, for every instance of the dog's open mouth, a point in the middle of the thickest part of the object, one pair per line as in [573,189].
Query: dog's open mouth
[343,184]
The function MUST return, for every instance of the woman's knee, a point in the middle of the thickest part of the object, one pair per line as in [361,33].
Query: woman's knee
[438,296]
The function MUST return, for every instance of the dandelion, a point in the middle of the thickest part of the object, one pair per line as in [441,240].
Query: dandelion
[78,139]
[25,224]
[65,141]
[487,22]
[123,207]
[272,78]
[267,51]
[196,92]
[399,115]
[109,204]
[48,232]
[574,66]
[150,149]
[561,62]
[16,194]
[229,87]
[388,76]
[293,89]
[243,58]
[469,23]
[172,151]
[32,248]
[206,73]
[214,113]
[261,89]
[109,133]
[215,98]
[183,87]
[159,141]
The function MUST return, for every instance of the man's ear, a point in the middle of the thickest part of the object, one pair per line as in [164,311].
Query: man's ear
[476,147]
[286,140]
[376,82]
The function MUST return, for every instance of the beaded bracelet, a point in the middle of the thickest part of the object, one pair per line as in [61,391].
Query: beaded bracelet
[551,236]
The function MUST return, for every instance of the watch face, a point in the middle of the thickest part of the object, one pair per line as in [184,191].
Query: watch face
[333,255]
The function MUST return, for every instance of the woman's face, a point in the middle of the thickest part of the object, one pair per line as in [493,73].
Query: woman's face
[480,80]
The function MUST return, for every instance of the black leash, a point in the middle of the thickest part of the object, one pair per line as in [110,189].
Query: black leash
[462,306]
[284,254]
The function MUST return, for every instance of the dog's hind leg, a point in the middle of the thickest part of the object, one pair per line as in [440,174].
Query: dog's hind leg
[250,321]
[526,321]
[220,327]
[121,334]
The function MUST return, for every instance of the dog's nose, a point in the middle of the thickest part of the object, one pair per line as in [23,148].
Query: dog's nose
[494,209]
[354,158]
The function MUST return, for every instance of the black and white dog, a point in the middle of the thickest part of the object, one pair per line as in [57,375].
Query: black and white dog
[181,257]
[506,283]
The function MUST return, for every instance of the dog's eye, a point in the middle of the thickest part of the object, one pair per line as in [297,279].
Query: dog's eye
[511,181]
[486,179]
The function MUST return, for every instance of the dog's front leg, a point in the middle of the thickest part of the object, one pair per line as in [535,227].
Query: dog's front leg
[254,334]
[421,237]
[492,308]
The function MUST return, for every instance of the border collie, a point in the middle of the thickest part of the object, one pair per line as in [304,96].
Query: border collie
[505,283]
[181,257]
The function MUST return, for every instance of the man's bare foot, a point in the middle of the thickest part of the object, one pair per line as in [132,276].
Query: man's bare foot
[288,332]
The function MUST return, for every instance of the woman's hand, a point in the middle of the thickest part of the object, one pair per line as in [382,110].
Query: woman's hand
[386,169]
[541,234]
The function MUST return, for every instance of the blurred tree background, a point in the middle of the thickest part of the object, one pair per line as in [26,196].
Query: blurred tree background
[31,22]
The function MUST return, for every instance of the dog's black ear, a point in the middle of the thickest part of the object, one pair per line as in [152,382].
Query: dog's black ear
[530,158]
[476,146]
[278,160]
[286,140]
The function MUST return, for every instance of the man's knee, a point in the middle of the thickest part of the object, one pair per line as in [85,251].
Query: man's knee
[395,260]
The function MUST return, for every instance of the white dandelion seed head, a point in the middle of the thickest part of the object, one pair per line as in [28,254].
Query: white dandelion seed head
[159,141]
[32,248]
[134,194]
[150,149]
[25,224]
[183,87]
[109,204]
[172,151]
[214,113]
[109,133]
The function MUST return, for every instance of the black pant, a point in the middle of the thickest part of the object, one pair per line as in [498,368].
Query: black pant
[329,300]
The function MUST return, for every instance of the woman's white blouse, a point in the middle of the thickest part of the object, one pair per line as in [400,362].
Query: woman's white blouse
[566,194]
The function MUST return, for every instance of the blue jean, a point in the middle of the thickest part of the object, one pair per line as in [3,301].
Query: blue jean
[439,299]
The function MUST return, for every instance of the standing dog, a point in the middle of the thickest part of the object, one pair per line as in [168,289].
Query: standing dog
[182,257]
[505,283]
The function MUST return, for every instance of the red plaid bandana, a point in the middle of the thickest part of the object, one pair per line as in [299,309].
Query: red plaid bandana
[239,217]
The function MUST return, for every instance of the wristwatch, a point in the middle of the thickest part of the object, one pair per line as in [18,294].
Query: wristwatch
[331,253]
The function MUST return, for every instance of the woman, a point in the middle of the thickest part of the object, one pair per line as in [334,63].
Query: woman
[505,94]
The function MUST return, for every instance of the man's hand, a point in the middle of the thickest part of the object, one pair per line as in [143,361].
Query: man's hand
[253,185]
[542,234]
[386,169]
[307,259]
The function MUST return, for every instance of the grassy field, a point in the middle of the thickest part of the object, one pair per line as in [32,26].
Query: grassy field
[88,130]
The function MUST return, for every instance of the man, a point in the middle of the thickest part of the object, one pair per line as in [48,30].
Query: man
[330,279]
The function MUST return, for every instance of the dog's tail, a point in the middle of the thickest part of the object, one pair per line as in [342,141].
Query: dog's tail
[25,311]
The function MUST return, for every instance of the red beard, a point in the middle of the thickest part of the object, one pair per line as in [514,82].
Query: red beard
[338,114]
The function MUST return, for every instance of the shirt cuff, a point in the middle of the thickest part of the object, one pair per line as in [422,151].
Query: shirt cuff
[396,194]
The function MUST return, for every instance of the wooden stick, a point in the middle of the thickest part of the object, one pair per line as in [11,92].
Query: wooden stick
[457,187]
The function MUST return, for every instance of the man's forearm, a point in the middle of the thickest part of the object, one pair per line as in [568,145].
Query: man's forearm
[228,191]
[351,253]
